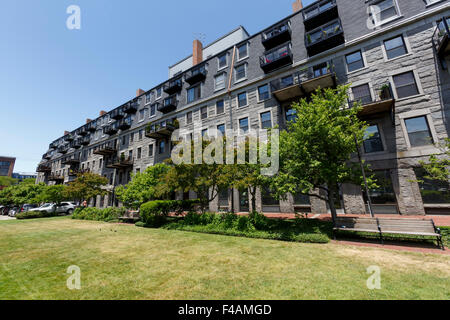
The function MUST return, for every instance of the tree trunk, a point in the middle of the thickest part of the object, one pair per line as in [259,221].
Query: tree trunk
[253,194]
[331,204]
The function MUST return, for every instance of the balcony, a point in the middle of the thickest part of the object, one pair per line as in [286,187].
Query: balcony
[76,172]
[105,149]
[85,141]
[195,75]
[55,178]
[384,101]
[276,58]
[70,161]
[44,168]
[117,114]
[169,104]
[441,38]
[82,131]
[111,129]
[47,156]
[318,76]
[131,108]
[69,137]
[53,146]
[125,124]
[161,130]
[91,126]
[324,38]
[76,144]
[120,163]
[287,88]
[277,35]
[174,86]
[319,13]
[63,149]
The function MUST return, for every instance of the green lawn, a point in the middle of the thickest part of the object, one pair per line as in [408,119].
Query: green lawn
[126,262]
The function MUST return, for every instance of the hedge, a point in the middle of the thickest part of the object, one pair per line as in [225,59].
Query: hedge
[154,213]
[95,214]
[36,215]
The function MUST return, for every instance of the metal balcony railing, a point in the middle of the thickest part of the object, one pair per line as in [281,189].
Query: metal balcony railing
[441,36]
[276,58]
[277,35]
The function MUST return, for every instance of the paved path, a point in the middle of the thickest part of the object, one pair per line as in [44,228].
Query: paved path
[2,218]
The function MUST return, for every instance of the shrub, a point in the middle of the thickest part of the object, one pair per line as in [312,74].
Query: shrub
[35,215]
[154,213]
[259,221]
[95,214]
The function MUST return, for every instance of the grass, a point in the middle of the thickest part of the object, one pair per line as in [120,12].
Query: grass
[125,262]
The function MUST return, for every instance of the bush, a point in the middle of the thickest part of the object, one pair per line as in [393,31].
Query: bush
[35,215]
[95,214]
[259,221]
[154,213]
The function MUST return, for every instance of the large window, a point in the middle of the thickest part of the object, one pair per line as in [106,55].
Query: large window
[406,85]
[243,125]
[354,61]
[418,131]
[266,120]
[242,51]
[263,92]
[384,193]
[221,128]
[241,72]
[290,114]
[383,11]
[362,94]
[189,117]
[395,47]
[193,93]
[242,99]
[222,60]
[219,82]
[432,191]
[204,112]
[220,107]
[162,147]
[152,110]
[372,140]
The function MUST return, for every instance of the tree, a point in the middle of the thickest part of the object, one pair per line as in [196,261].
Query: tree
[27,192]
[7,181]
[316,149]
[143,187]
[53,194]
[86,186]
[438,167]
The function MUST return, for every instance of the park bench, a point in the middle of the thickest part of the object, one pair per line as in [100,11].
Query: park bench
[380,226]
[130,216]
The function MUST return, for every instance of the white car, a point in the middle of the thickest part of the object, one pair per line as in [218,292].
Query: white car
[63,207]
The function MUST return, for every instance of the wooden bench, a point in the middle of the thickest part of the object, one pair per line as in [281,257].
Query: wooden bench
[131,216]
[382,226]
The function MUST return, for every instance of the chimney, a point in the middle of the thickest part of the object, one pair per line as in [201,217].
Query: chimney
[297,6]
[139,92]
[197,55]
[66,133]
[88,120]
[102,113]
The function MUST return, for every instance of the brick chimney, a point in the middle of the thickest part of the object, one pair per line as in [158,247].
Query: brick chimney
[88,120]
[139,92]
[197,54]
[102,113]
[297,6]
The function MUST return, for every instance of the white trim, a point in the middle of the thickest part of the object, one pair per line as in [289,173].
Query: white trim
[224,81]
[226,54]
[380,23]
[244,116]
[416,78]
[237,100]
[257,92]
[246,72]
[271,118]
[363,57]
[405,42]
[414,114]
[248,52]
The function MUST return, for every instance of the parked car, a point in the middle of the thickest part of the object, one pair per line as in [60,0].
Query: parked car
[63,207]
[13,211]
[27,207]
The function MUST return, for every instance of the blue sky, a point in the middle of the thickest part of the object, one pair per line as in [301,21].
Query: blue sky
[53,78]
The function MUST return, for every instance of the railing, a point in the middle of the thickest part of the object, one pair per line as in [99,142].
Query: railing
[106,148]
[76,143]
[44,168]
[111,129]
[196,74]
[92,126]
[276,35]
[277,30]
[85,140]
[125,123]
[69,137]
[283,83]
[63,149]
[82,131]
[117,114]
[173,86]
[318,8]
[117,162]
[323,69]
[441,33]
[158,127]
[131,107]
[384,93]
[323,33]
[75,172]
[169,104]
[46,156]
[278,53]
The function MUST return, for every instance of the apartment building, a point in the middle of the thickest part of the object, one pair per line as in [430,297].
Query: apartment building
[394,53]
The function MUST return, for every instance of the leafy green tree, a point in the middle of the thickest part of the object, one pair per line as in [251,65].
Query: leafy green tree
[7,181]
[86,186]
[53,194]
[27,192]
[316,149]
[143,187]
[438,166]
[6,196]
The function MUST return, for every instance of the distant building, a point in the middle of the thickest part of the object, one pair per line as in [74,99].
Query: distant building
[7,166]
[24,175]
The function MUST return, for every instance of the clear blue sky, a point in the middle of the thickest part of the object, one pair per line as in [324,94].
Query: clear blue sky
[52,78]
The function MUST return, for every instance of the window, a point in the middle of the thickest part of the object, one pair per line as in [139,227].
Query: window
[189,117]
[193,94]
[243,125]
[141,134]
[204,113]
[432,191]
[266,120]
[158,93]
[141,114]
[418,131]
[162,147]
[221,128]
[242,99]
[263,92]
[241,72]
[320,70]
[395,47]
[147,98]
[220,107]
[222,60]
[290,114]
[287,81]
[100,164]
[204,133]
[354,61]
[242,51]
[405,84]
[139,153]
[152,110]
[130,154]
[430,2]
[131,137]
[219,81]
[124,140]
[383,11]
[362,94]
[150,150]
[138,171]
[372,140]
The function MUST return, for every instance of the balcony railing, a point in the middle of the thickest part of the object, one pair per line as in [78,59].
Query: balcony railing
[383,101]
[63,149]
[322,75]
[117,114]
[53,145]
[169,104]
[441,37]
[91,126]
[161,130]
[121,162]
[131,108]
[85,141]
[287,88]
[82,131]
[105,149]
[76,172]
[125,124]
[44,168]
[276,58]
[69,137]
[319,13]
[111,129]
[276,35]
[47,156]
[173,86]
[54,177]
[70,161]
[196,74]
[76,144]
[324,37]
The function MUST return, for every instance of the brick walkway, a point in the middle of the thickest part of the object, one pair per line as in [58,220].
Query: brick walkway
[395,246]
